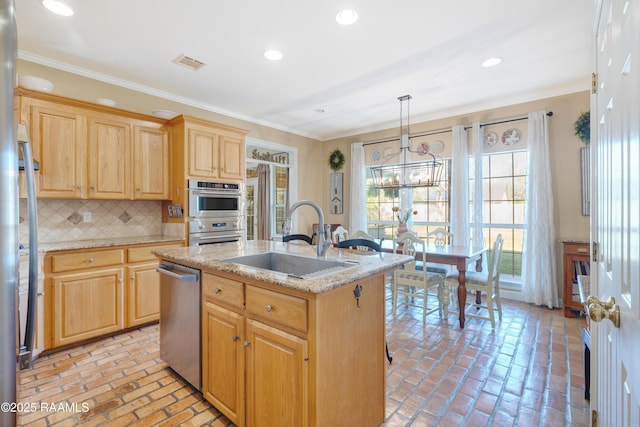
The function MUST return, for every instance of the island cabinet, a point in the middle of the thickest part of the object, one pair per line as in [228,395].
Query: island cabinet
[88,151]
[94,292]
[279,356]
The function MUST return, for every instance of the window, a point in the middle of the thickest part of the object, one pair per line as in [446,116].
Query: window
[431,203]
[504,187]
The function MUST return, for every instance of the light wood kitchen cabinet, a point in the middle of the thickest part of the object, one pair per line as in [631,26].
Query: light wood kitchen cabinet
[302,359]
[95,292]
[214,152]
[88,151]
[109,158]
[142,289]
[87,297]
[151,164]
[58,135]
[277,377]
[223,357]
[143,292]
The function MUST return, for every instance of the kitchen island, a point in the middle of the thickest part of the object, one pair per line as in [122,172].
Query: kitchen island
[289,351]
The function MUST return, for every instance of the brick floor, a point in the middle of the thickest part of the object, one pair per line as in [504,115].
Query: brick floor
[526,372]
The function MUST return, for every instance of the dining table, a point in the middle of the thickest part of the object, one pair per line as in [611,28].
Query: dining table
[459,256]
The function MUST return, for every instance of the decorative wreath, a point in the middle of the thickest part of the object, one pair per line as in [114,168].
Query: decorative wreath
[582,127]
[336,160]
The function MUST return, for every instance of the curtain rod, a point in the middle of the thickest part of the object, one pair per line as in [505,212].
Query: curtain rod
[427,133]
[549,114]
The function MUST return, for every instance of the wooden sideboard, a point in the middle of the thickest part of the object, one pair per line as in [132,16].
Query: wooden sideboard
[576,262]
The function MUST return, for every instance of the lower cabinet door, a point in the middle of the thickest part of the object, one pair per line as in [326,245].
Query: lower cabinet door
[143,294]
[277,377]
[223,361]
[87,305]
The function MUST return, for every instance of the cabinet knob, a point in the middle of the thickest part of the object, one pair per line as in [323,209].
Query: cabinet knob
[235,338]
[92,188]
[268,307]
[245,343]
[90,260]
[217,291]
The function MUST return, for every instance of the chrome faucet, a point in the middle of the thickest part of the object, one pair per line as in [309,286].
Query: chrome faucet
[324,235]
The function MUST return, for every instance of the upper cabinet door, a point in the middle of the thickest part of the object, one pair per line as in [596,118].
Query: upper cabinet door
[203,153]
[109,158]
[150,163]
[232,157]
[58,137]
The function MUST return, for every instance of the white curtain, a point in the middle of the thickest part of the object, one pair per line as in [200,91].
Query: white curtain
[263,231]
[460,186]
[539,258]
[477,235]
[358,193]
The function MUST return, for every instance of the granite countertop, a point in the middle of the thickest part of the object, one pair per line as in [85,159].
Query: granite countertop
[209,257]
[104,243]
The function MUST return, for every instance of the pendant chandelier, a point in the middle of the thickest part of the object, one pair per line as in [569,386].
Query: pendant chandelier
[398,171]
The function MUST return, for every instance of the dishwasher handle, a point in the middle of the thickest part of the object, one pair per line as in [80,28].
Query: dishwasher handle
[189,277]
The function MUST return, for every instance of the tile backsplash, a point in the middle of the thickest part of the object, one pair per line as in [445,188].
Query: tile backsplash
[63,220]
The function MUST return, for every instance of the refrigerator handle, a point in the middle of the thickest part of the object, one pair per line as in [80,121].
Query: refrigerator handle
[26,348]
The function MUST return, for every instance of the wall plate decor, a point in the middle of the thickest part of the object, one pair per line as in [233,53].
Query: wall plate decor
[437,147]
[376,155]
[490,139]
[422,149]
[511,136]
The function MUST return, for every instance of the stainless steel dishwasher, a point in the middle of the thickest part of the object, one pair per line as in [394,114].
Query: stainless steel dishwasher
[180,320]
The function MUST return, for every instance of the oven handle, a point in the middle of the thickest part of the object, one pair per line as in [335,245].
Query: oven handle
[217,192]
[224,237]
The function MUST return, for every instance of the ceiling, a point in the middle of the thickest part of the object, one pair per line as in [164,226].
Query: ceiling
[333,80]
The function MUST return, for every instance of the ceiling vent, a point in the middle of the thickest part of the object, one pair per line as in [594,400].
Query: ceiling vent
[189,62]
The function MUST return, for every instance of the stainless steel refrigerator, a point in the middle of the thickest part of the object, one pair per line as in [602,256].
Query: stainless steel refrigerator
[13,353]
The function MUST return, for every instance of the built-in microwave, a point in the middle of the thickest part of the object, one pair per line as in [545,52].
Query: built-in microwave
[209,199]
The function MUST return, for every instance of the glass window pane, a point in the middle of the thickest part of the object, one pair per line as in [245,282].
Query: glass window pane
[501,165]
[501,212]
[520,163]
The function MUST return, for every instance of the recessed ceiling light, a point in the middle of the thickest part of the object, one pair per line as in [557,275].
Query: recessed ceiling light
[58,7]
[491,62]
[273,55]
[346,17]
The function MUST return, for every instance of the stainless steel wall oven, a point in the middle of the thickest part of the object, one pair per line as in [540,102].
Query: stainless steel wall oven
[216,212]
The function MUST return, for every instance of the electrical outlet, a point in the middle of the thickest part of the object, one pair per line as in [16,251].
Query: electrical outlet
[86,217]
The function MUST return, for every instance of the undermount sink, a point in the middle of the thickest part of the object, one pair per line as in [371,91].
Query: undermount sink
[298,266]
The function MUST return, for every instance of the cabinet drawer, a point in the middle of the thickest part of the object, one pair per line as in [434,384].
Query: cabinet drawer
[221,289]
[576,249]
[143,253]
[82,260]
[284,309]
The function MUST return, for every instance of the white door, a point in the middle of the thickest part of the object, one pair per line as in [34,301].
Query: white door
[615,139]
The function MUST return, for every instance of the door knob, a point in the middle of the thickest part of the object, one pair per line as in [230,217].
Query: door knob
[599,310]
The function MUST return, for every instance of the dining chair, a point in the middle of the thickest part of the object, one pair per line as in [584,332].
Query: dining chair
[339,234]
[361,240]
[292,237]
[487,282]
[439,237]
[412,282]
